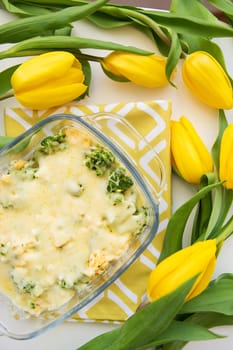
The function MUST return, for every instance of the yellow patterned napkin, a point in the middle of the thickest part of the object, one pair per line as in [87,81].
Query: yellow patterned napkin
[151,119]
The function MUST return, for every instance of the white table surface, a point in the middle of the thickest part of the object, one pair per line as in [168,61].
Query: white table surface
[70,335]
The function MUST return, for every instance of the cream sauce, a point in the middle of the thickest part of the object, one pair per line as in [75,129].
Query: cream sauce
[54,238]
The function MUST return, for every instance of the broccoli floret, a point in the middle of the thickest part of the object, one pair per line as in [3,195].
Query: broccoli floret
[75,284]
[64,284]
[99,159]
[30,169]
[24,286]
[116,198]
[118,181]
[142,214]
[52,144]
[28,287]
[27,171]
[3,249]
[32,305]
[24,169]
[6,205]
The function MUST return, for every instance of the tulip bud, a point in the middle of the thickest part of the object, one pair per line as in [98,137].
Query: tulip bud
[226,158]
[190,157]
[48,80]
[207,80]
[147,71]
[198,260]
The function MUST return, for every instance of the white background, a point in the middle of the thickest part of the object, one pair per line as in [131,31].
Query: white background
[69,336]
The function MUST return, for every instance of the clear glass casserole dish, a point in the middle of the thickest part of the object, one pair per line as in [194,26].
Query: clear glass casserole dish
[16,322]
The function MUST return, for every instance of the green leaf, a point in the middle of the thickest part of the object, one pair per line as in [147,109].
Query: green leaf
[225,6]
[218,297]
[225,232]
[5,140]
[64,3]
[145,325]
[230,19]
[211,319]
[161,45]
[227,198]
[219,209]
[65,31]
[176,225]
[31,10]
[190,24]
[86,67]
[33,26]
[33,46]
[13,8]
[184,331]
[102,341]
[5,78]
[204,209]
[159,314]
[17,146]
[194,7]
[205,319]
[173,56]
[221,204]
[104,21]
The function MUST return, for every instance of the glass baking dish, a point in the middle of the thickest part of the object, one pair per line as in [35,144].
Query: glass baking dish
[14,322]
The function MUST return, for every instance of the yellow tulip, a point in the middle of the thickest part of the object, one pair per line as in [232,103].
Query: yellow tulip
[207,80]
[226,158]
[146,71]
[198,259]
[190,156]
[48,80]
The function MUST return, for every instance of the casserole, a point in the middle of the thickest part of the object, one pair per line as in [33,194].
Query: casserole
[71,290]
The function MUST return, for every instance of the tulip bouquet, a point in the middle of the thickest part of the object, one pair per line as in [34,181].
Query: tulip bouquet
[185,32]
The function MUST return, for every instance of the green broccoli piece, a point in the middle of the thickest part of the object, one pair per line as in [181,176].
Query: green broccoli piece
[118,181]
[64,284]
[52,144]
[32,305]
[27,287]
[3,249]
[27,171]
[99,159]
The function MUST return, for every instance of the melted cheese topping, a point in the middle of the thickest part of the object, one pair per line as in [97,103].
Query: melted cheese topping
[60,228]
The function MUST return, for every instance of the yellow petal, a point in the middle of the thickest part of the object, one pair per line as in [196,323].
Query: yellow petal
[147,71]
[203,280]
[226,157]
[43,98]
[207,80]
[42,68]
[190,156]
[181,266]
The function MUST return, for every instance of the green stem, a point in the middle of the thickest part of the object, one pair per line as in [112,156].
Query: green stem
[226,231]
[7,95]
[140,17]
[87,57]
[216,211]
